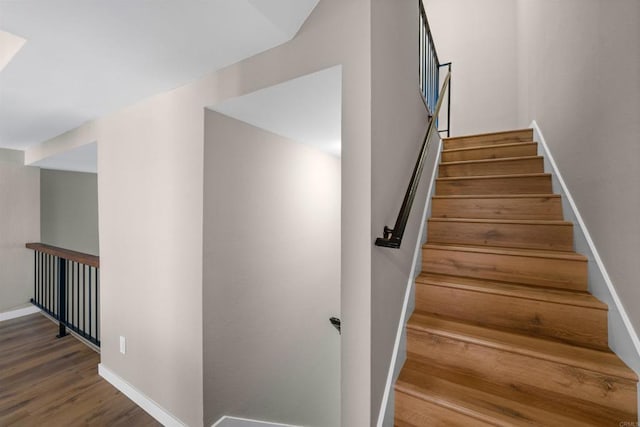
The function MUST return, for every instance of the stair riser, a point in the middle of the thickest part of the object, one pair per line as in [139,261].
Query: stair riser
[491,153]
[543,208]
[544,272]
[499,167]
[503,186]
[523,372]
[417,412]
[532,236]
[494,139]
[577,325]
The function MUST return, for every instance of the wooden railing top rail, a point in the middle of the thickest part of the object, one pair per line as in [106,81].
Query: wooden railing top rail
[92,260]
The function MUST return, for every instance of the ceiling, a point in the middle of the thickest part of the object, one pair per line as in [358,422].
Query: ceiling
[306,109]
[79,159]
[86,58]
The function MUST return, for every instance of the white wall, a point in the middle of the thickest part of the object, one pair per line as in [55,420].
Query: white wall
[579,78]
[69,210]
[150,202]
[271,277]
[19,224]
[480,38]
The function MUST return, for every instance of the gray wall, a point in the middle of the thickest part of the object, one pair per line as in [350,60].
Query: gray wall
[19,224]
[399,122]
[69,210]
[580,79]
[271,277]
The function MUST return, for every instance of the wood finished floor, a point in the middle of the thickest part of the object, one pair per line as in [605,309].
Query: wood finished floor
[46,381]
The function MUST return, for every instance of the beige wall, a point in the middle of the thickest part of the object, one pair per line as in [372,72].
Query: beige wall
[480,38]
[150,205]
[579,78]
[151,213]
[399,122]
[19,224]
[69,210]
[271,277]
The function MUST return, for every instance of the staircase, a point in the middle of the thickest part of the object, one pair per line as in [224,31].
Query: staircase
[504,331]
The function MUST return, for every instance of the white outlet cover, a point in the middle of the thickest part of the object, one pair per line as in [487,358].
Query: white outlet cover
[123,345]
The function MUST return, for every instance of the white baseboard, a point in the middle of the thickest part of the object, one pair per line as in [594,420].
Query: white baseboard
[227,421]
[403,315]
[139,398]
[583,228]
[8,315]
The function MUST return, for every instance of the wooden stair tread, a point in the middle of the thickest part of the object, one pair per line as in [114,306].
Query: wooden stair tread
[558,222]
[492,138]
[536,253]
[498,404]
[496,196]
[483,161]
[520,175]
[487,135]
[498,206]
[558,296]
[484,147]
[604,362]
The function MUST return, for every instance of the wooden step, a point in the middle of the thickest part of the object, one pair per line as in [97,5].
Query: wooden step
[551,269]
[493,138]
[422,390]
[531,365]
[515,149]
[414,410]
[522,206]
[519,233]
[535,183]
[567,316]
[508,166]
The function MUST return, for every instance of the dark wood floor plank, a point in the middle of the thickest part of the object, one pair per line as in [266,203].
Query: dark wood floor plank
[54,382]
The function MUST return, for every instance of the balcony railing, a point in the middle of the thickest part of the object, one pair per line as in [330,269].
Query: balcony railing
[67,287]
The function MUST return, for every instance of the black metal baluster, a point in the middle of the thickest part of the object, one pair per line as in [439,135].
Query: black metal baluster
[45,280]
[97,306]
[37,278]
[84,299]
[90,302]
[56,295]
[62,297]
[424,60]
[73,294]
[67,291]
[77,324]
[39,299]
[449,106]
[421,54]
[49,293]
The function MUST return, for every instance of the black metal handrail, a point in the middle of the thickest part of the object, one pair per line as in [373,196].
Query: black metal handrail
[393,236]
[432,96]
[67,287]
